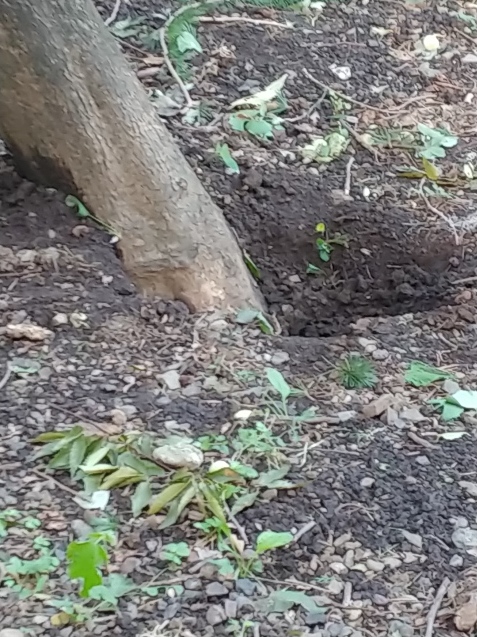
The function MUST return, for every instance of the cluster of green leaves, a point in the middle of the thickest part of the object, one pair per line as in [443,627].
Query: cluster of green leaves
[29,577]
[246,317]
[356,372]
[182,37]
[14,517]
[104,462]
[324,150]
[259,122]
[434,142]
[325,243]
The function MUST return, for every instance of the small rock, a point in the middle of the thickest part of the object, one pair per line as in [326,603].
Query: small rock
[245,586]
[216,589]
[380,354]
[470,58]
[215,615]
[470,487]
[367,482]
[194,389]
[129,565]
[423,461]
[339,568]
[412,415]
[378,406]
[231,608]
[466,616]
[193,584]
[344,416]
[280,357]
[456,561]
[413,538]
[315,619]
[253,178]
[172,610]
[375,565]
[465,538]
[80,529]
[179,454]
[450,387]
[294,278]
[380,600]
[334,629]
[335,587]
[11,632]
[342,539]
[398,628]
[59,319]
[171,379]
[118,417]
[27,331]
[354,614]
[392,562]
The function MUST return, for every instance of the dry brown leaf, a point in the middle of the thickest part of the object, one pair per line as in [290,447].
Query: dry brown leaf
[466,617]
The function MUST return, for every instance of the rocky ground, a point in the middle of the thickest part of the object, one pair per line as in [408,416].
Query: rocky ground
[381,498]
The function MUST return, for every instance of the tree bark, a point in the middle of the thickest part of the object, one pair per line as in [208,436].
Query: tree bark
[76,118]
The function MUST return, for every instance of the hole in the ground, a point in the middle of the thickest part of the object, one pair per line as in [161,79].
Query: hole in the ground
[396,262]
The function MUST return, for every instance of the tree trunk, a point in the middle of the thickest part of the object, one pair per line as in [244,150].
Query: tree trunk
[76,118]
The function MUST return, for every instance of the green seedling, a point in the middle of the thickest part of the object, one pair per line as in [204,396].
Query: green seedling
[328,148]
[434,142]
[29,577]
[257,122]
[175,552]
[252,267]
[83,213]
[87,558]
[239,627]
[246,317]
[356,372]
[421,374]
[390,138]
[325,243]
[8,517]
[215,530]
[214,442]
[259,442]
[223,151]
[313,269]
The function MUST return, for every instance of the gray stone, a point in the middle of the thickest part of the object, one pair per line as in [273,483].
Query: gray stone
[178,454]
[456,560]
[465,538]
[280,357]
[375,565]
[80,529]
[118,417]
[193,584]
[367,482]
[11,632]
[344,416]
[315,619]
[380,354]
[470,58]
[215,615]
[216,589]
[412,415]
[245,586]
[172,610]
[398,628]
[378,406]
[231,608]
[449,386]
[423,461]
[334,629]
[171,379]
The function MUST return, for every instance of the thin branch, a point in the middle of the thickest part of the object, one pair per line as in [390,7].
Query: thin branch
[6,376]
[431,617]
[238,526]
[59,484]
[469,279]
[229,18]
[304,529]
[172,70]
[444,217]
[347,186]
[114,13]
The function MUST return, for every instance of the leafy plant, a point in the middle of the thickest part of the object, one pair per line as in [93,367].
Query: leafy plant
[313,269]
[86,558]
[83,213]
[390,137]
[421,374]
[244,317]
[257,121]
[325,149]
[214,529]
[214,442]
[198,115]
[356,372]
[8,517]
[325,243]
[175,552]
[223,151]
[435,141]
[29,577]
[259,441]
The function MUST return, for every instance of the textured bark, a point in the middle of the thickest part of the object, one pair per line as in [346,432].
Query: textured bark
[76,118]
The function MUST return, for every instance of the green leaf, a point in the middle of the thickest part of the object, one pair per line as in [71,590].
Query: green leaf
[313,269]
[271,479]
[97,468]
[177,506]
[421,374]
[81,210]
[277,381]
[77,453]
[187,41]
[223,151]
[465,398]
[141,497]
[96,456]
[112,588]
[119,477]
[244,317]
[49,436]
[260,128]
[450,409]
[213,504]
[84,561]
[431,171]
[244,502]
[284,600]
[268,540]
[252,267]
[25,366]
[237,122]
[224,566]
[244,470]
[166,496]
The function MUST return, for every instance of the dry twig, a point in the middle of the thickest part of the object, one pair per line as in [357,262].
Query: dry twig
[431,617]
[347,186]
[170,66]
[114,13]
[238,526]
[230,18]
[6,376]
[304,529]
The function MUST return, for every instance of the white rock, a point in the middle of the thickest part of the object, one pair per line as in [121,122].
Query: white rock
[280,357]
[27,331]
[456,560]
[335,587]
[171,379]
[118,417]
[339,568]
[367,482]
[375,565]
[392,562]
[78,319]
[465,538]
[243,414]
[59,319]
[413,538]
[470,487]
[179,454]
[431,42]
[11,632]
[342,72]
[470,58]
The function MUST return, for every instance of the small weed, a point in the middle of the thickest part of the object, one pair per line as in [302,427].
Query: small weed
[214,529]
[259,442]
[86,558]
[29,577]
[252,267]
[214,442]
[356,372]
[83,213]
[175,552]
[434,142]
[223,151]
[391,138]
[257,121]
[325,243]
[239,627]
[326,149]
[245,317]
